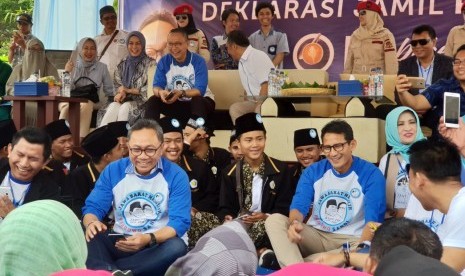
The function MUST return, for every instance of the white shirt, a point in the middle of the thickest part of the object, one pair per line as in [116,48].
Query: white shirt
[254,66]
[452,232]
[115,52]
[257,188]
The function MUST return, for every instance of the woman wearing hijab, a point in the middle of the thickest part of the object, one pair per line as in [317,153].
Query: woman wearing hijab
[198,42]
[87,66]
[130,83]
[34,61]
[402,130]
[40,238]
[371,45]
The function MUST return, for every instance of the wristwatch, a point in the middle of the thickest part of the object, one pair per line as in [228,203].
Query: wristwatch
[153,239]
[183,94]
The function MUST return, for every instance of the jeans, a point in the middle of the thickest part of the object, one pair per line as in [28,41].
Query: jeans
[153,260]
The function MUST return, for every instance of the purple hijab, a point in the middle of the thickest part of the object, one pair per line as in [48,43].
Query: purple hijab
[131,62]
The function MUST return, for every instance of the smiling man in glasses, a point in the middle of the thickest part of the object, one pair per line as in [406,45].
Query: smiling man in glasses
[111,43]
[147,244]
[340,178]
[432,98]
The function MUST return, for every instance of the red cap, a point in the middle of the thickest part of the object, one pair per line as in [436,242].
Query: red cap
[463,6]
[369,5]
[183,9]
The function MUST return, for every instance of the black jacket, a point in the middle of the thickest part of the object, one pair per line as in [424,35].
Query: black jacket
[82,181]
[202,183]
[277,191]
[442,69]
[42,186]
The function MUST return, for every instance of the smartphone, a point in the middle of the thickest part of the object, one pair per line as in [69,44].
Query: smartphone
[170,95]
[451,109]
[243,216]
[118,236]
[417,82]
[6,191]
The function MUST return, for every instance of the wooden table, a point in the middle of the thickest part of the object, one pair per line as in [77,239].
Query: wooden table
[47,111]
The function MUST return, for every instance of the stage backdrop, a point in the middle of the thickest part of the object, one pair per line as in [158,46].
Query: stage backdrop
[328,23]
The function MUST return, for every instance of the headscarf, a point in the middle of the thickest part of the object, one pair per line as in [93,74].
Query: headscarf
[82,67]
[392,134]
[40,238]
[131,62]
[373,28]
[33,62]
[190,27]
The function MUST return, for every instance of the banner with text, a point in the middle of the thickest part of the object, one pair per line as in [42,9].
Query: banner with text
[322,26]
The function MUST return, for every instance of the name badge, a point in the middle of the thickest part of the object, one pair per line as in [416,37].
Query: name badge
[272,49]
[401,192]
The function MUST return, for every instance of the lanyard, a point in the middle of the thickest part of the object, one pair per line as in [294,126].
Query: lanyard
[20,201]
[402,169]
[420,70]
[432,219]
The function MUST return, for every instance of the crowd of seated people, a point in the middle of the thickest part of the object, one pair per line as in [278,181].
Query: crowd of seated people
[153,196]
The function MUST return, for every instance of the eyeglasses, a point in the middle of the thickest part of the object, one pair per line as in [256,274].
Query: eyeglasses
[337,147]
[181,17]
[362,12]
[175,44]
[148,151]
[458,62]
[422,42]
[107,18]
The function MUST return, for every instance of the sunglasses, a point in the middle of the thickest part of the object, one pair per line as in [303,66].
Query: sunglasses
[181,17]
[422,42]
[362,12]
[112,17]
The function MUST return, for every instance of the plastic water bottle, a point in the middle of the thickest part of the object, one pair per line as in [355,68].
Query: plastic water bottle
[379,82]
[271,82]
[66,85]
[372,82]
[281,81]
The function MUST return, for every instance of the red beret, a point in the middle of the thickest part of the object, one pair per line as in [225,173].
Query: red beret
[183,9]
[463,6]
[369,5]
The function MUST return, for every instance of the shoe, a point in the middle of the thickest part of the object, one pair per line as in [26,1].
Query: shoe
[122,273]
[268,260]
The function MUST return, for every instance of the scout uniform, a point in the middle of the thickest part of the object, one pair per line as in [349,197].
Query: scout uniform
[204,194]
[240,185]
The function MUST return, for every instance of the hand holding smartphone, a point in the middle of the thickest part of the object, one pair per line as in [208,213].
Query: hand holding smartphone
[451,109]
[417,82]
[170,95]
[119,237]
[6,191]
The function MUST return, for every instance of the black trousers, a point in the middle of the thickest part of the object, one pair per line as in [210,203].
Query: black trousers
[181,110]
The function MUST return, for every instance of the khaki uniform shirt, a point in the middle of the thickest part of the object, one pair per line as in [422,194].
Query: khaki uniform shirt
[198,45]
[363,55]
[455,39]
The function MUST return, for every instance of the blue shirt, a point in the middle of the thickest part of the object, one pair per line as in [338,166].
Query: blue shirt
[435,95]
[142,203]
[342,203]
[199,79]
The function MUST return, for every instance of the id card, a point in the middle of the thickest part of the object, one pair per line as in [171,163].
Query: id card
[401,192]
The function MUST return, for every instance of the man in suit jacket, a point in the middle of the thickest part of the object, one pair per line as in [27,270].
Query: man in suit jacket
[425,63]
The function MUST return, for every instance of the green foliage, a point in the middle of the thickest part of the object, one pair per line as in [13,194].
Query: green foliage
[9,9]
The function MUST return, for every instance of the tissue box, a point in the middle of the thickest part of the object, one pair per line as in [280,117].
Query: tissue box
[349,88]
[31,89]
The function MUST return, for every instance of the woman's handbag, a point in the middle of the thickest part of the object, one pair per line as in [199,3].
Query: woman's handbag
[89,91]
